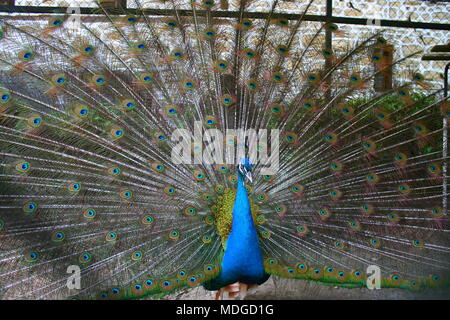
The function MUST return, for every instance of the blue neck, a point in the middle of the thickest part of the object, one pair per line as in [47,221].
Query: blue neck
[242,260]
[242,215]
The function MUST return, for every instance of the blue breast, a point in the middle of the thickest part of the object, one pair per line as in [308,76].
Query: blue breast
[242,259]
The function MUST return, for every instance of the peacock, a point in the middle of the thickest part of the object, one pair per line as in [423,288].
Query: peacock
[145,154]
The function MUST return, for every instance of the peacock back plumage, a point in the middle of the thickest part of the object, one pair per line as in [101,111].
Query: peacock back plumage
[88,117]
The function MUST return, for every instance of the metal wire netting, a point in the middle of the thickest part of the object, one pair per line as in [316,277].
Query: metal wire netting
[406,41]
[57,3]
[418,11]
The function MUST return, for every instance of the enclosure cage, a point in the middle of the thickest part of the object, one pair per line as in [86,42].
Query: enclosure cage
[412,28]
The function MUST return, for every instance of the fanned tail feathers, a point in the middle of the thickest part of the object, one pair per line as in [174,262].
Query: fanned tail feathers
[87,118]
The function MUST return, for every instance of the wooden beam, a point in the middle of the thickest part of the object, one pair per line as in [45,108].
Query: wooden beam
[436,57]
[441,48]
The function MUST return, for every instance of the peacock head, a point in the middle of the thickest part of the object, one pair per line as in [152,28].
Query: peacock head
[245,169]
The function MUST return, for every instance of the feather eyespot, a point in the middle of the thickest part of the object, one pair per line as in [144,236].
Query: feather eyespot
[208,3]
[404,189]
[357,275]
[354,225]
[260,219]
[302,230]
[116,132]
[29,207]
[81,112]
[159,137]
[31,256]
[126,194]
[301,268]
[324,213]
[111,236]
[114,171]
[89,213]
[336,166]
[222,168]
[375,242]
[55,22]
[393,218]
[190,211]
[34,121]
[136,256]
[331,138]
[316,273]
[209,34]
[149,284]
[206,239]
[88,50]
[437,212]
[227,100]
[280,209]
[23,167]
[291,137]
[74,187]
[115,293]
[251,84]
[366,209]
[372,178]
[5,96]
[85,257]
[147,220]
[271,261]
[265,234]
[128,105]
[261,197]
[174,235]
[282,50]
[26,55]
[338,244]
[58,236]
[169,190]
[249,53]
[209,220]
[206,197]
[297,188]
[171,23]
[176,54]
[137,289]
[59,80]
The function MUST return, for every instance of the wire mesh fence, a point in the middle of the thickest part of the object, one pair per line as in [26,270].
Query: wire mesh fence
[405,41]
